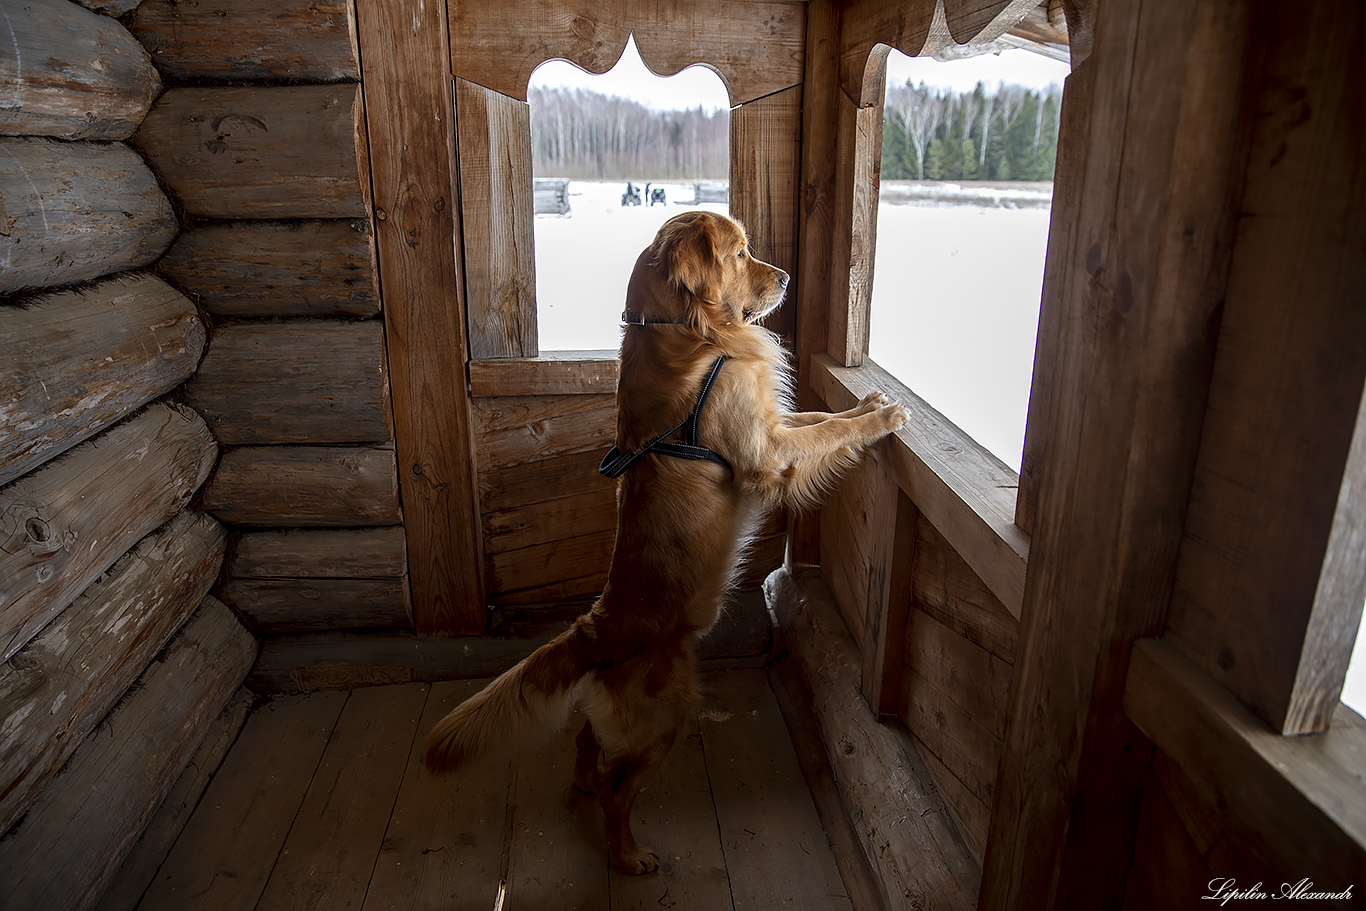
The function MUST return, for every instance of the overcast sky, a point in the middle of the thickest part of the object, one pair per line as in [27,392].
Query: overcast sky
[698,85]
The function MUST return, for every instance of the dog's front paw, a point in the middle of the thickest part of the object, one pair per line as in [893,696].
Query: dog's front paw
[894,416]
[871,402]
[637,862]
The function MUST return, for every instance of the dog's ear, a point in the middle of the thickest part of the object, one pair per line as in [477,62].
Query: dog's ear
[693,260]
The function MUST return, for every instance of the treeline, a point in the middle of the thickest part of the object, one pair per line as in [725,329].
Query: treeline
[933,134]
[582,134]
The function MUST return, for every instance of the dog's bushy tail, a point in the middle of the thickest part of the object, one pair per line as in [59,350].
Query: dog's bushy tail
[526,703]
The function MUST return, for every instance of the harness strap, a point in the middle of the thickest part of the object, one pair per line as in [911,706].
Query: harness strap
[616,462]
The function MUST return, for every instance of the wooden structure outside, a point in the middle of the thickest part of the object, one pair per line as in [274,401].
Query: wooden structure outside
[275,413]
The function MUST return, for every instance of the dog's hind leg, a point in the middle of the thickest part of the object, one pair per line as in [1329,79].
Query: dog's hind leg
[586,757]
[619,786]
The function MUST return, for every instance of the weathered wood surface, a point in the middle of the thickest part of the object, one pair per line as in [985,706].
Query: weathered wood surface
[344,553]
[269,606]
[550,373]
[498,46]
[140,867]
[909,839]
[72,74]
[61,684]
[303,381]
[73,211]
[78,361]
[963,490]
[947,589]
[515,430]
[495,193]
[114,8]
[765,144]
[248,808]
[1276,506]
[1299,797]
[273,269]
[69,846]
[225,40]
[260,151]
[1127,342]
[67,522]
[406,54]
[307,486]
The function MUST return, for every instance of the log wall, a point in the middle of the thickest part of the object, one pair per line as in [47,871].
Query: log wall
[110,680]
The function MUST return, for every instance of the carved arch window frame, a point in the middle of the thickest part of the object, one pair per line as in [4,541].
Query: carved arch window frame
[493,54]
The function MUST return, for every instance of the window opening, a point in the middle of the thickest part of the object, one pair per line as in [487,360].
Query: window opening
[628,149]
[968,150]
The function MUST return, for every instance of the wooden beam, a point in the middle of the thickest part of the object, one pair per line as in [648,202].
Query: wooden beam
[887,603]
[78,361]
[305,486]
[1271,579]
[72,74]
[1128,348]
[1300,795]
[76,211]
[551,373]
[405,60]
[222,40]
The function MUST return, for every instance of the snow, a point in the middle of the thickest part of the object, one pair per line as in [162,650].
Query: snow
[955,303]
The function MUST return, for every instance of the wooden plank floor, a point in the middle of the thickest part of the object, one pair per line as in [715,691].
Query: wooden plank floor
[323,803]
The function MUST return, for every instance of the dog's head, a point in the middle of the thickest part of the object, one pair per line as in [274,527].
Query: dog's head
[699,271]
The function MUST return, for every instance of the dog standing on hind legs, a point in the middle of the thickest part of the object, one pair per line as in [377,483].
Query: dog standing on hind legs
[706,443]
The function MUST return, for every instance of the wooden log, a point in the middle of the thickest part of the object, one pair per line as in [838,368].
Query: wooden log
[74,211]
[260,151]
[498,46]
[500,252]
[272,269]
[81,360]
[272,486]
[349,553]
[304,381]
[908,838]
[140,867]
[61,684]
[407,71]
[64,524]
[269,606]
[69,846]
[72,74]
[250,39]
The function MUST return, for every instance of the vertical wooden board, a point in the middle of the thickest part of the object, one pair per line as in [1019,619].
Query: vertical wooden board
[446,842]
[327,859]
[226,851]
[975,680]
[405,56]
[675,816]
[496,213]
[557,852]
[765,154]
[887,603]
[847,541]
[776,851]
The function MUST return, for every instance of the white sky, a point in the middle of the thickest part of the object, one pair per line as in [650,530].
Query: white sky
[698,85]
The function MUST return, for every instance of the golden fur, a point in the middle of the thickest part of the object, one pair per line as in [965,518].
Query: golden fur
[681,525]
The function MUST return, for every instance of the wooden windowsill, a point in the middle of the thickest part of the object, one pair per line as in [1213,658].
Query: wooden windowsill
[967,493]
[1309,790]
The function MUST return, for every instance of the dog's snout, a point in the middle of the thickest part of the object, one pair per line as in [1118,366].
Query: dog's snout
[783,278]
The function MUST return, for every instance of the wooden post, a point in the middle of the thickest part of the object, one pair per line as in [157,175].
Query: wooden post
[1128,353]
[405,59]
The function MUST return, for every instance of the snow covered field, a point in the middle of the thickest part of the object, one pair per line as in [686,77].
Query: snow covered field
[955,300]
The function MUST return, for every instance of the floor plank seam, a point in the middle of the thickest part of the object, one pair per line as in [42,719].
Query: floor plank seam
[398,792]
[715,810]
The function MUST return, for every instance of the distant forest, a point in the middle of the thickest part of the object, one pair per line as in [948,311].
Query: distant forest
[931,134]
[582,134]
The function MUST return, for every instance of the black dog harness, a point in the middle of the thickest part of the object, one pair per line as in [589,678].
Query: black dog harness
[615,463]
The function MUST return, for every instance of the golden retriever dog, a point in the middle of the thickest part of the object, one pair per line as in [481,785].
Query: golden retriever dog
[705,444]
